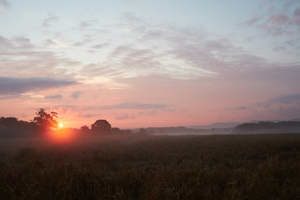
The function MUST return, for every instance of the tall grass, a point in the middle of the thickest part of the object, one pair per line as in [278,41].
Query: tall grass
[147,167]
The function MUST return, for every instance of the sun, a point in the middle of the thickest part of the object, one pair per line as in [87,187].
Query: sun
[60,125]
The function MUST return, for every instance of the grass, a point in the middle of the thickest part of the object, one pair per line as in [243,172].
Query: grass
[148,167]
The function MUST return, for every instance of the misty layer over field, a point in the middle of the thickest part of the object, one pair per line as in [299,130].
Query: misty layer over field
[151,167]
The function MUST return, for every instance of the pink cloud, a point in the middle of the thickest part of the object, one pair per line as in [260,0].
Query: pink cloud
[278,19]
[253,21]
[297,12]
[4,3]
[296,16]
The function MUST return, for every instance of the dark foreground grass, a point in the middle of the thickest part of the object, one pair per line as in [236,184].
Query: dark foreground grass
[146,167]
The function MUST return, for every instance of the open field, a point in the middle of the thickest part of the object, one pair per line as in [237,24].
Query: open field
[152,167]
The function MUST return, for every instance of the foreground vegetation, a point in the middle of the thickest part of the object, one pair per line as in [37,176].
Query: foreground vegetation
[148,167]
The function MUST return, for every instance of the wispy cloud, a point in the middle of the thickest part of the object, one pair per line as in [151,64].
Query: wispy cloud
[277,18]
[239,108]
[13,86]
[50,20]
[186,54]
[132,106]
[20,57]
[16,43]
[285,107]
[100,46]
[285,99]
[171,59]
[4,3]
[55,96]
[76,94]
[125,116]
[87,24]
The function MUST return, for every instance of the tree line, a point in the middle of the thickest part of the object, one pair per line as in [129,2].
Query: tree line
[269,127]
[44,122]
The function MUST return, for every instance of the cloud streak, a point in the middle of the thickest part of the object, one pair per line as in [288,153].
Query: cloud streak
[284,107]
[132,106]
[283,20]
[55,96]
[20,57]
[50,20]
[76,94]
[12,86]
[285,99]
[4,3]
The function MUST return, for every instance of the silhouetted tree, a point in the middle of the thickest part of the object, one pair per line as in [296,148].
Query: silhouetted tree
[85,129]
[101,126]
[115,130]
[9,121]
[11,126]
[142,131]
[44,120]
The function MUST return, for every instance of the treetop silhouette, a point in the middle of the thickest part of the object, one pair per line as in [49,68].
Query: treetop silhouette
[45,120]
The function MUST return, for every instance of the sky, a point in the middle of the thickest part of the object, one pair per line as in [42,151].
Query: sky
[140,63]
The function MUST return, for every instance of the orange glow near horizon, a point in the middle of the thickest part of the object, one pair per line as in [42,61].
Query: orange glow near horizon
[60,125]
[61,135]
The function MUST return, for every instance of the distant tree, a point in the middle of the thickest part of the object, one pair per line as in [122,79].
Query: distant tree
[142,131]
[44,120]
[9,121]
[269,127]
[115,130]
[85,129]
[11,126]
[101,126]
